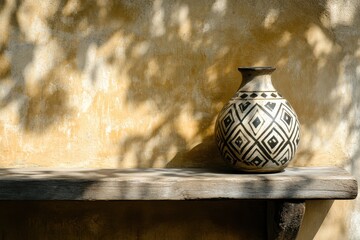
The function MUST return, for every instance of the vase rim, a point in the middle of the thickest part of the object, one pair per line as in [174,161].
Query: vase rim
[267,68]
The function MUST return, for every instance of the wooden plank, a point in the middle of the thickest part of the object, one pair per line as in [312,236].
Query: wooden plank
[174,184]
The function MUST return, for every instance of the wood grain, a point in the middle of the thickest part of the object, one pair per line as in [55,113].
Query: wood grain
[174,184]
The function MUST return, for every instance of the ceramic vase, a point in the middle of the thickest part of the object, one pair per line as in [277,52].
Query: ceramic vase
[257,130]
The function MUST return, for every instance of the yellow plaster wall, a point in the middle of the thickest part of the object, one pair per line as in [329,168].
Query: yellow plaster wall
[118,84]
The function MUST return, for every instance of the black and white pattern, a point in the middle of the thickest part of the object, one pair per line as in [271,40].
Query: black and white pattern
[258,130]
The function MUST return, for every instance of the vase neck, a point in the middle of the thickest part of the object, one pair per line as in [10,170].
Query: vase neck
[256,79]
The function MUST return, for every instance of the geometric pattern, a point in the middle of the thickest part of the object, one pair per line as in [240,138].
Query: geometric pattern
[257,131]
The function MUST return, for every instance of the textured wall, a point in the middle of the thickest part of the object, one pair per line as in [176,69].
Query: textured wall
[139,83]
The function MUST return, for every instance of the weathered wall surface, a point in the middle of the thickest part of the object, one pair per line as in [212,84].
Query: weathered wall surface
[115,84]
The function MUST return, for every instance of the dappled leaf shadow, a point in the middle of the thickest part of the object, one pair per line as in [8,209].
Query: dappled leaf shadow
[197,67]
[46,107]
[148,78]
[164,70]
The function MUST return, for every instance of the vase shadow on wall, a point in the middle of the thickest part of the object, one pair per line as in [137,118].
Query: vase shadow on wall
[203,155]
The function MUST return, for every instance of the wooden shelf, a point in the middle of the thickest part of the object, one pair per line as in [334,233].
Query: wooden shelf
[286,192]
[174,184]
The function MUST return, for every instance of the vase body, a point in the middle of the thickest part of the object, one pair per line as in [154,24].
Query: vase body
[257,130]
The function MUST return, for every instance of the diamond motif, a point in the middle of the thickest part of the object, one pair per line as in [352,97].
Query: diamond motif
[244,106]
[284,160]
[228,121]
[257,161]
[255,156]
[238,141]
[229,157]
[273,142]
[254,134]
[287,118]
[285,157]
[270,105]
[256,122]
[243,95]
